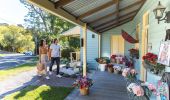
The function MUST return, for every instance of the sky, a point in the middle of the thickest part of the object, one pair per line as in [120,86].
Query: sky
[12,12]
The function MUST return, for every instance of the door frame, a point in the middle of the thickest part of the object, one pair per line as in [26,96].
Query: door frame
[144,44]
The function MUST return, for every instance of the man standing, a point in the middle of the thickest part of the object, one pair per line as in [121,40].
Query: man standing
[54,56]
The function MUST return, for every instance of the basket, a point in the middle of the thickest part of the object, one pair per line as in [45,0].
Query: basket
[110,69]
[40,68]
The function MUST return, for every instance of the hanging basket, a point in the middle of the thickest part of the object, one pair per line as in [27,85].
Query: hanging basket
[129,38]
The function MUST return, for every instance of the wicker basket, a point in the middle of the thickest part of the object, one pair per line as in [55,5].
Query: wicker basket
[110,69]
[84,91]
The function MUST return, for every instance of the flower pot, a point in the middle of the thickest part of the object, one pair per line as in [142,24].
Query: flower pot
[117,61]
[84,91]
[116,71]
[110,69]
[113,60]
[102,67]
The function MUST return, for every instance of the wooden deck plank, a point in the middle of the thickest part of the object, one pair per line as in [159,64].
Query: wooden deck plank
[106,86]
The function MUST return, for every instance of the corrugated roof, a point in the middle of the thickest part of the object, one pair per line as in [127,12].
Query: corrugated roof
[79,7]
[101,13]
[98,12]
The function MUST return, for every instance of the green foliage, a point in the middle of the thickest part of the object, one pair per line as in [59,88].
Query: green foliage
[65,53]
[44,25]
[103,60]
[74,42]
[15,38]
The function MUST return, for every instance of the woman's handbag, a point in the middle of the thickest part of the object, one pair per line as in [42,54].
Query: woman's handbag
[40,68]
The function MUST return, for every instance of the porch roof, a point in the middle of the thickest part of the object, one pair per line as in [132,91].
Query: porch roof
[74,32]
[100,15]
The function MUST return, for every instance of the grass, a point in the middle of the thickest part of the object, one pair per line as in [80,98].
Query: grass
[40,93]
[4,74]
[1,55]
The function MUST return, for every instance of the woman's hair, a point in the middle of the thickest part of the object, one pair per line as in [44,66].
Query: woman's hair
[41,42]
[55,40]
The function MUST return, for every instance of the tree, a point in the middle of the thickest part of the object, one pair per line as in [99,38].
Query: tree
[15,38]
[74,42]
[44,25]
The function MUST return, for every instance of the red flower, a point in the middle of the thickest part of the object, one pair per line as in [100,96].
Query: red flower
[152,58]
[144,57]
[113,56]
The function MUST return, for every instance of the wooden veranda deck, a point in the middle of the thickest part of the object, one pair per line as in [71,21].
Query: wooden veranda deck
[106,86]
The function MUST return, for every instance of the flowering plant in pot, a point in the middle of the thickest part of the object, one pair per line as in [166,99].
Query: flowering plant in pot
[150,62]
[110,67]
[113,58]
[102,62]
[129,73]
[149,89]
[117,69]
[83,83]
[150,58]
[141,91]
[134,53]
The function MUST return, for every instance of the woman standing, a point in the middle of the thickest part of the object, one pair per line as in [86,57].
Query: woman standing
[43,51]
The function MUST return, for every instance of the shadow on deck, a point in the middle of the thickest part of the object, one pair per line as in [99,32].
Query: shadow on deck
[106,86]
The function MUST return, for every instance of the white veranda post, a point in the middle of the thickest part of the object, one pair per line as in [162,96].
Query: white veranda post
[84,49]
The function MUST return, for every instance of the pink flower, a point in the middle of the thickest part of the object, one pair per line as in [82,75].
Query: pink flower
[152,88]
[138,90]
[133,71]
[125,72]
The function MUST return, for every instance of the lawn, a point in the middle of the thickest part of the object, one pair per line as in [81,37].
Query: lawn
[1,55]
[4,74]
[40,93]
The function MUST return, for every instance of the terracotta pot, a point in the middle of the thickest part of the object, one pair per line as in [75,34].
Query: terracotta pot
[84,91]
[110,69]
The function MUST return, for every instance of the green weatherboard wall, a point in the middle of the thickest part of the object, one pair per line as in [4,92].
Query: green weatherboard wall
[156,33]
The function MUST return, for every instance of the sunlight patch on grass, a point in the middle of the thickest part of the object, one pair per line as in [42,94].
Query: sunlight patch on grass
[2,55]
[4,74]
[40,93]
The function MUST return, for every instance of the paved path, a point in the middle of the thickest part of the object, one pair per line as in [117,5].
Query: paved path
[17,82]
[24,79]
[106,86]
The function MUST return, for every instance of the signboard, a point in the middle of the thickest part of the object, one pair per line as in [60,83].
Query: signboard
[164,53]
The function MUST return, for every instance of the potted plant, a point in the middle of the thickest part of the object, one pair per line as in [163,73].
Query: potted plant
[113,58]
[129,74]
[150,62]
[110,68]
[102,63]
[141,91]
[83,83]
[117,69]
[134,53]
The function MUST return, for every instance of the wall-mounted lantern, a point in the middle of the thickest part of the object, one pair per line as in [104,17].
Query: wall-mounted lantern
[159,12]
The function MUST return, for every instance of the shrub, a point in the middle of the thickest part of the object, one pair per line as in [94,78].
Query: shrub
[65,53]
